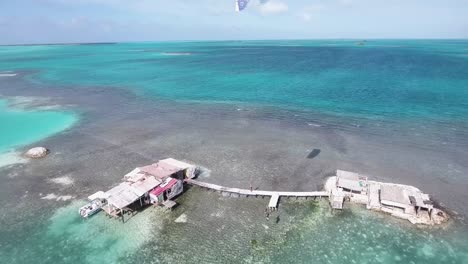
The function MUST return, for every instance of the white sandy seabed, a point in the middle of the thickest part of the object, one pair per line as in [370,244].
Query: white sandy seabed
[10,158]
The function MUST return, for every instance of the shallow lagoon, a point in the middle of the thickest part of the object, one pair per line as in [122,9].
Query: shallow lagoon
[220,229]
[400,124]
[21,126]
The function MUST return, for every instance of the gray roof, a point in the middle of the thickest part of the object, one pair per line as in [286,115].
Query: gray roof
[350,175]
[350,184]
[394,193]
[420,199]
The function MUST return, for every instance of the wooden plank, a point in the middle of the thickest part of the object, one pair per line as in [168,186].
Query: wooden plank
[256,192]
[274,201]
[169,204]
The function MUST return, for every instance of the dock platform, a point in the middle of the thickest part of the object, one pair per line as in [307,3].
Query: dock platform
[274,201]
[169,204]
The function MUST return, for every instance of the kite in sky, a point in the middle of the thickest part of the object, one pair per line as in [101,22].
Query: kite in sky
[241,5]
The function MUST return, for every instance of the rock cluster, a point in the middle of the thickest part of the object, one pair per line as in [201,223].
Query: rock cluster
[37,152]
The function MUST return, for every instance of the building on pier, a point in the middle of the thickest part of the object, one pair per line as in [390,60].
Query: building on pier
[402,201]
[337,197]
[151,184]
[351,182]
[405,199]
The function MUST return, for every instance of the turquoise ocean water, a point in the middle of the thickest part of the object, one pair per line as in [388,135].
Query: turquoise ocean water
[381,79]
[21,127]
[405,83]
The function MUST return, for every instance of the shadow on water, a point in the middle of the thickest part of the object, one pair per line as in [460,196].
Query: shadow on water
[314,153]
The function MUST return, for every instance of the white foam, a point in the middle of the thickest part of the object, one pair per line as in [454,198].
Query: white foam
[204,173]
[7,74]
[27,101]
[64,180]
[52,196]
[65,198]
[49,196]
[313,124]
[177,53]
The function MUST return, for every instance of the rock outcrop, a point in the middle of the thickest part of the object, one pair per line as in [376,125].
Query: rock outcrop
[37,153]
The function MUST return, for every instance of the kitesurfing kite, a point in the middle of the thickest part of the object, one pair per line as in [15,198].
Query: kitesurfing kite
[241,5]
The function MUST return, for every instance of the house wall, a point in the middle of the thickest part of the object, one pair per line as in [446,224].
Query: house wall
[176,189]
[394,204]
[408,209]
[157,199]
[359,198]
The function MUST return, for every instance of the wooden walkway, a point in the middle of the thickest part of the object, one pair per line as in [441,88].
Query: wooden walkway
[275,195]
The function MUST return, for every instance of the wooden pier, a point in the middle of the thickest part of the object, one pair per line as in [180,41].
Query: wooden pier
[275,195]
[159,182]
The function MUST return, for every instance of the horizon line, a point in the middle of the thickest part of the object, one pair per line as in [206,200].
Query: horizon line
[217,40]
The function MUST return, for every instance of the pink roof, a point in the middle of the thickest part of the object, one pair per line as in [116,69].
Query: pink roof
[160,170]
[161,189]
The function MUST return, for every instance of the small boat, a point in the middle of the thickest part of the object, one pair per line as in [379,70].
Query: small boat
[98,200]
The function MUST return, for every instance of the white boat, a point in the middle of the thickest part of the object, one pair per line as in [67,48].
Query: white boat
[98,200]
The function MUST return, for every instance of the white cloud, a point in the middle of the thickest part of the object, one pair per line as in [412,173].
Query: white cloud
[273,7]
[310,12]
[154,8]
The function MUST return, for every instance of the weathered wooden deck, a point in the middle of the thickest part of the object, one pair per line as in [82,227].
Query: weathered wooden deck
[275,195]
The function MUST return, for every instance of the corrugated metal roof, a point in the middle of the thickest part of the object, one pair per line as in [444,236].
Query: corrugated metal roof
[122,195]
[146,185]
[176,163]
[142,180]
[160,170]
[127,193]
[135,175]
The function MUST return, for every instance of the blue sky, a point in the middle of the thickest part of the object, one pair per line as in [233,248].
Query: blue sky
[58,21]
